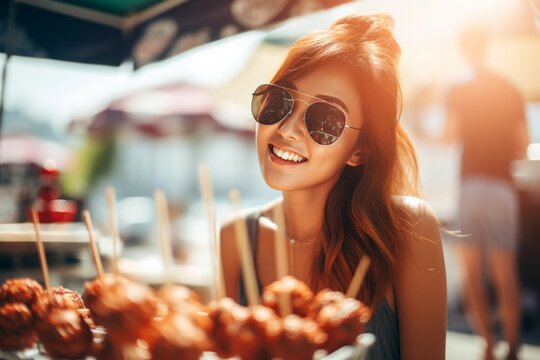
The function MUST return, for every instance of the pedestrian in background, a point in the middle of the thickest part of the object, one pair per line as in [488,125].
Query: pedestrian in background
[486,114]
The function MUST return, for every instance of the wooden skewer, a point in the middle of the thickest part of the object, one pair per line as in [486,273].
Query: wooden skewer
[113,226]
[41,250]
[207,195]
[282,267]
[164,234]
[358,276]
[248,270]
[93,247]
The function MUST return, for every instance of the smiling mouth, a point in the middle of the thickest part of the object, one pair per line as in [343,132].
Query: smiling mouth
[287,155]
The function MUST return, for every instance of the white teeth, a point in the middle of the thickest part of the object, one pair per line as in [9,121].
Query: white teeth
[286,155]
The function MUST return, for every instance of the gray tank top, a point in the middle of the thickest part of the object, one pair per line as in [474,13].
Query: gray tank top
[383,323]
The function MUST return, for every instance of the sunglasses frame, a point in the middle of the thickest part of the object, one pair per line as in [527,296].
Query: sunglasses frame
[288,90]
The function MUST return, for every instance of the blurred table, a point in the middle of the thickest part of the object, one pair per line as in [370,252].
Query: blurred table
[66,246]
[57,236]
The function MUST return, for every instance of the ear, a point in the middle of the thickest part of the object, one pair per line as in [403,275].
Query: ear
[358,157]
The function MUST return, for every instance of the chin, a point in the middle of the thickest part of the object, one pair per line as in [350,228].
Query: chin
[283,183]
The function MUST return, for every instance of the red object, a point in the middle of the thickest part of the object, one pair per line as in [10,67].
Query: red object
[49,207]
[56,210]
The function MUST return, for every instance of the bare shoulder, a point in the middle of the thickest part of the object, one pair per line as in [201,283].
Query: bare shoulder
[421,216]
[418,208]
[421,284]
[266,219]
[228,225]
[230,260]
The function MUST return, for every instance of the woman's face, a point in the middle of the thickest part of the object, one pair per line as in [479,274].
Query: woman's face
[317,165]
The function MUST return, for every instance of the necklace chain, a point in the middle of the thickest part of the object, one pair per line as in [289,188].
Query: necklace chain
[308,241]
[305,242]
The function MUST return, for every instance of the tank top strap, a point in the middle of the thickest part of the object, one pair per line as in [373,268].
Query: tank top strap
[252,222]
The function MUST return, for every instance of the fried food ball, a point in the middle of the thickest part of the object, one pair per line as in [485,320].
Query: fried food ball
[20,290]
[323,298]
[297,339]
[16,327]
[178,337]
[125,308]
[343,321]
[299,293]
[251,336]
[61,328]
[222,313]
[109,350]
[73,295]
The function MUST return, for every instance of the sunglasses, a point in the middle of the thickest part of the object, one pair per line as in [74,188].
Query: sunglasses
[324,121]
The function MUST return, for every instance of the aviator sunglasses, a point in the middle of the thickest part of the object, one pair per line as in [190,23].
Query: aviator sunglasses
[324,121]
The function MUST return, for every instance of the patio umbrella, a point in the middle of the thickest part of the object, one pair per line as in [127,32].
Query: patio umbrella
[168,110]
[109,32]
[29,149]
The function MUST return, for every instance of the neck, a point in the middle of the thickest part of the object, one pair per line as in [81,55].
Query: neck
[304,213]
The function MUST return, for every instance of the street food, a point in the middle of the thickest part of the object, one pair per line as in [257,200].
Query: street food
[343,321]
[22,290]
[71,294]
[16,327]
[61,328]
[297,339]
[173,323]
[252,335]
[222,313]
[123,307]
[299,293]
[178,337]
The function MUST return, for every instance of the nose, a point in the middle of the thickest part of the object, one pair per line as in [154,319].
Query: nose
[293,126]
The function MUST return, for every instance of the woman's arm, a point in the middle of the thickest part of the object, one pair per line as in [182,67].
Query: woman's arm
[421,288]
[230,263]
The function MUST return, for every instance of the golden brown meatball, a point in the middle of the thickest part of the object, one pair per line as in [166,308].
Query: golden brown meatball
[222,313]
[343,321]
[299,293]
[22,290]
[73,295]
[178,337]
[298,339]
[123,307]
[16,327]
[61,328]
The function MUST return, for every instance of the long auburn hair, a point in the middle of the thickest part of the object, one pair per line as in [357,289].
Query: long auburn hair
[362,212]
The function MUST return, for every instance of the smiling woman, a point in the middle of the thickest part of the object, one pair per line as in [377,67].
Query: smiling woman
[328,137]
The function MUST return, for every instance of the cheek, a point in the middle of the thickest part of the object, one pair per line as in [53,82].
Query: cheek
[261,140]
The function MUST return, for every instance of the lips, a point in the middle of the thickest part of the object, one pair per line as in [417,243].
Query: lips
[287,155]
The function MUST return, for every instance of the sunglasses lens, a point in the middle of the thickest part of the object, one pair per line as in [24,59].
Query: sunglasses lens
[325,122]
[270,104]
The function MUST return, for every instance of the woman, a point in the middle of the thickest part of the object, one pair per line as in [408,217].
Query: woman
[328,138]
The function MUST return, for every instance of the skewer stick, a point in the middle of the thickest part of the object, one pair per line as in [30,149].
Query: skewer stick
[358,277]
[41,250]
[248,270]
[207,195]
[281,258]
[93,247]
[113,226]
[164,234]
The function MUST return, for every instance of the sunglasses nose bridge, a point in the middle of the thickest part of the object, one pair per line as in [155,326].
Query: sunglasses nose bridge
[300,109]
[292,126]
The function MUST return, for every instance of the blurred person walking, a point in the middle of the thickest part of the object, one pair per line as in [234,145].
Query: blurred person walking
[486,114]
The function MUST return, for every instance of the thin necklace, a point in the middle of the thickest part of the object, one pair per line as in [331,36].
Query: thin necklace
[304,242]
[308,241]
[293,243]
